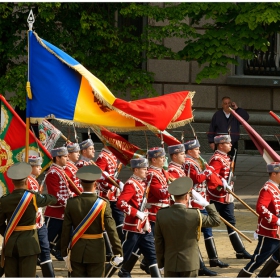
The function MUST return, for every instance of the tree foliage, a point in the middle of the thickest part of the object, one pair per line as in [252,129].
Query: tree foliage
[109,40]
[88,32]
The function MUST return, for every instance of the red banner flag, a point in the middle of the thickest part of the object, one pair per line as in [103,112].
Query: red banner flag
[269,155]
[120,147]
[167,138]
[12,144]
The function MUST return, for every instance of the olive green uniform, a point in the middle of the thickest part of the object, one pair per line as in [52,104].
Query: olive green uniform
[22,247]
[179,223]
[88,255]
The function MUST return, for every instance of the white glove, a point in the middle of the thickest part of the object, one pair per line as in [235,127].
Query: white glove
[121,184]
[117,260]
[278,222]
[141,215]
[161,270]
[67,263]
[256,237]
[225,184]
[118,192]
[104,175]
[199,199]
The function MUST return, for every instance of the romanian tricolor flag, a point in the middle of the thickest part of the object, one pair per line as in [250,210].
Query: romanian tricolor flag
[63,89]
[12,145]
[268,154]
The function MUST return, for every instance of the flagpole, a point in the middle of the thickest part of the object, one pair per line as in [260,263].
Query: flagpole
[30,21]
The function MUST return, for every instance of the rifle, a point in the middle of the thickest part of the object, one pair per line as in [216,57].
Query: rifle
[118,170]
[144,203]
[230,177]
[145,196]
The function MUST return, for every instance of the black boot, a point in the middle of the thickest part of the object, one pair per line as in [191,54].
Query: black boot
[269,268]
[155,273]
[238,246]
[47,269]
[203,271]
[124,272]
[244,274]
[144,266]
[212,253]
[55,250]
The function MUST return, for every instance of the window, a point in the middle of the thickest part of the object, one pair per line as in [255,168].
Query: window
[265,63]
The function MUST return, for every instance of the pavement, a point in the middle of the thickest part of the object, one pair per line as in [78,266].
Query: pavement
[250,172]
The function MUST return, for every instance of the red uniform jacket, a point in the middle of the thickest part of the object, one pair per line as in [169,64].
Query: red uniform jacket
[159,196]
[130,201]
[268,208]
[221,163]
[83,161]
[33,185]
[175,170]
[58,186]
[193,170]
[108,162]
[71,169]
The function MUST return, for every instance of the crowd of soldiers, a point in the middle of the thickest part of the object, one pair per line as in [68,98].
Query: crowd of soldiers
[92,216]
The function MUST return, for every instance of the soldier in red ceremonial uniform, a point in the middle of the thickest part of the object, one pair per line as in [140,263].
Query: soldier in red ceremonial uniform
[267,232]
[194,169]
[159,196]
[220,161]
[32,183]
[108,163]
[136,225]
[58,186]
[177,155]
[71,169]
[86,153]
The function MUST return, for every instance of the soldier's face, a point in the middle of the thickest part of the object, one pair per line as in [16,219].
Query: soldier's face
[195,153]
[62,160]
[159,161]
[275,176]
[141,172]
[36,170]
[90,152]
[74,156]
[179,158]
[225,147]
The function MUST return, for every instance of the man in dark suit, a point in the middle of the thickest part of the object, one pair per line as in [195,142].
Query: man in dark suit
[22,246]
[87,257]
[178,222]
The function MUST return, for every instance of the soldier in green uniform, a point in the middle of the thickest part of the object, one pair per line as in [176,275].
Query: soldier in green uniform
[178,222]
[18,223]
[83,214]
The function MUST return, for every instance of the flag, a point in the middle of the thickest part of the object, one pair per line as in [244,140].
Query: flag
[276,117]
[48,134]
[269,155]
[63,89]
[12,144]
[120,147]
[167,138]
